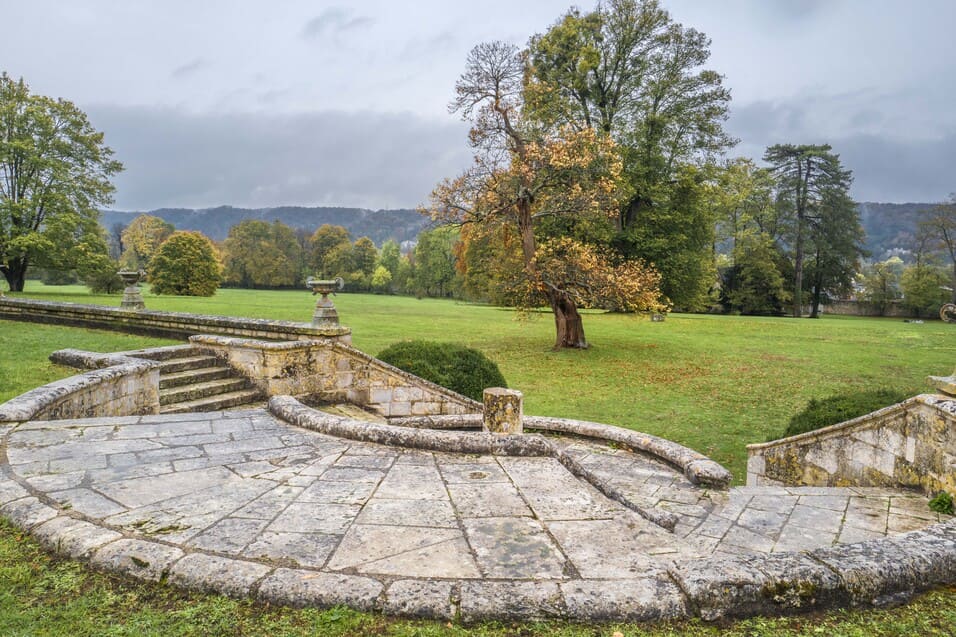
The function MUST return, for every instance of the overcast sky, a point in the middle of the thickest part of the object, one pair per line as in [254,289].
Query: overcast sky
[308,102]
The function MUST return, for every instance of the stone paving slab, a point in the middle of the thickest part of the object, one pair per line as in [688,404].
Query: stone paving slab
[245,504]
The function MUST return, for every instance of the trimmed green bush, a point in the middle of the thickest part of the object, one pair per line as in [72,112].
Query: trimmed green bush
[460,369]
[836,409]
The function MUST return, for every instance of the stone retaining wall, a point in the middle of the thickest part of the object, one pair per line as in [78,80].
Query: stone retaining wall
[330,371]
[894,309]
[911,444]
[167,324]
[128,386]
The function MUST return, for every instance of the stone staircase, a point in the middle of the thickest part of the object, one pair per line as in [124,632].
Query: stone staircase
[191,381]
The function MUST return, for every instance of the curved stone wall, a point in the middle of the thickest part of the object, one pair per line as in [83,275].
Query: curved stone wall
[127,386]
[911,444]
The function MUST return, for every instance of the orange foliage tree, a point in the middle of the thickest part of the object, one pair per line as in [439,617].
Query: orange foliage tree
[524,178]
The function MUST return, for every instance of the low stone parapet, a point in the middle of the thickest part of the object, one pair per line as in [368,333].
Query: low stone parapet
[327,370]
[120,387]
[910,444]
[167,324]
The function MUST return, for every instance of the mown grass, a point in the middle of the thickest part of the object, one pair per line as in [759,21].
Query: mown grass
[714,383]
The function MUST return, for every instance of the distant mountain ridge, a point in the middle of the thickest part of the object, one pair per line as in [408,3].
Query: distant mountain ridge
[890,227]
[378,225]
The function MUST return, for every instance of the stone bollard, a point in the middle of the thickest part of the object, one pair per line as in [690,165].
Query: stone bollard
[502,411]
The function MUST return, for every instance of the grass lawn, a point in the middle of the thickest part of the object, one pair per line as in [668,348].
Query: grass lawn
[714,383]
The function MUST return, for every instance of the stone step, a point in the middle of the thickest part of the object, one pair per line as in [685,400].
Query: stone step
[190,376]
[174,365]
[213,403]
[352,411]
[206,389]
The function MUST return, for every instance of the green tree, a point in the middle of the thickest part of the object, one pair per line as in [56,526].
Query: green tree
[939,224]
[364,256]
[881,283]
[836,239]
[326,239]
[390,256]
[755,284]
[54,172]
[381,278]
[257,254]
[185,264]
[805,177]
[141,239]
[923,288]
[435,273]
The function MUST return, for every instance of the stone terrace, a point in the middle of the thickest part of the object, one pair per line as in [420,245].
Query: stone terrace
[246,504]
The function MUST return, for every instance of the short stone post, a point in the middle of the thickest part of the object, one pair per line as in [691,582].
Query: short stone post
[502,413]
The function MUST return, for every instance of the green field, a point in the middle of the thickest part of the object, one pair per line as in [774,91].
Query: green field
[714,383]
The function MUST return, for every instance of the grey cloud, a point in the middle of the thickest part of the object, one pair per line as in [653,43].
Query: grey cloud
[368,160]
[187,69]
[334,20]
[886,167]
[419,48]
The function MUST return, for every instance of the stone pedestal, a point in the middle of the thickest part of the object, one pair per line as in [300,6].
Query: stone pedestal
[502,413]
[132,297]
[325,314]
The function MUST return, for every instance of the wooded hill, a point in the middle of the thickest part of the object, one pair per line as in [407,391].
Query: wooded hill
[378,225]
[889,226]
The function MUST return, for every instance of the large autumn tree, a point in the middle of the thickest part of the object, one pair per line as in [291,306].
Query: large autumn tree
[141,239]
[627,70]
[258,254]
[54,173]
[527,177]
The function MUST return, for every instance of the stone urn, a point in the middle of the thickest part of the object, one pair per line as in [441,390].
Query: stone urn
[132,297]
[325,312]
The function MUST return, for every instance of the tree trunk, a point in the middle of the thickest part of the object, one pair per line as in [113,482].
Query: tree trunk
[815,307]
[568,325]
[15,273]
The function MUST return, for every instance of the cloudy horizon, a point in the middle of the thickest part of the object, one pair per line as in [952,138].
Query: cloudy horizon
[317,103]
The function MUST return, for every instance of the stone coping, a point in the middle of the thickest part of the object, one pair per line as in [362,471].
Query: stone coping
[109,369]
[698,468]
[176,324]
[934,401]
[874,572]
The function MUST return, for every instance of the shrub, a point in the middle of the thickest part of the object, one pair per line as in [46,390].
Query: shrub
[836,409]
[185,264]
[460,369]
[942,502]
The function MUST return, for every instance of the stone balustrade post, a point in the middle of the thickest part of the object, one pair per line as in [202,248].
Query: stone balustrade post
[502,413]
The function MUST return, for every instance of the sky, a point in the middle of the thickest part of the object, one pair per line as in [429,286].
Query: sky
[323,103]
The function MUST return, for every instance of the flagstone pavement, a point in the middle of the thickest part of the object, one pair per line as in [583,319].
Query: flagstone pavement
[242,484]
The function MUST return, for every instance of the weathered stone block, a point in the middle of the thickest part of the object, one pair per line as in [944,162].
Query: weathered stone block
[143,560]
[322,590]
[223,575]
[503,411]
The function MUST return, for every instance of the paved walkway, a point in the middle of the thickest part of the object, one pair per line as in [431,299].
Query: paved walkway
[241,484]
